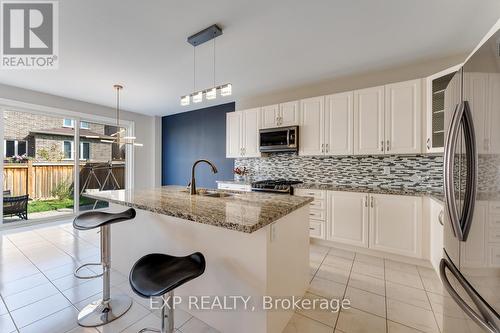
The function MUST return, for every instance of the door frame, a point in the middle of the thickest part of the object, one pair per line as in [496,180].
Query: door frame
[13,105]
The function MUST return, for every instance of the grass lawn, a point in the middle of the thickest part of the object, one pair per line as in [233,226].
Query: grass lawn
[36,206]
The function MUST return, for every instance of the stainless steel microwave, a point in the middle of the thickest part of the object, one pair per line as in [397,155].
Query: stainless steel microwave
[279,139]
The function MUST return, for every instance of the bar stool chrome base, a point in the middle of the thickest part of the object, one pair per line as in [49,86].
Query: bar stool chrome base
[99,312]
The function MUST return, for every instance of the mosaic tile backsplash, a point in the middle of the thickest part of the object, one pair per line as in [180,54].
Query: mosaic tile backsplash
[417,172]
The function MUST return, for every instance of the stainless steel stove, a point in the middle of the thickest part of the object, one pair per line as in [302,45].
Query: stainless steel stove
[275,186]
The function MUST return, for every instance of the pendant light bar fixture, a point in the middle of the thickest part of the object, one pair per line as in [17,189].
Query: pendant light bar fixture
[201,37]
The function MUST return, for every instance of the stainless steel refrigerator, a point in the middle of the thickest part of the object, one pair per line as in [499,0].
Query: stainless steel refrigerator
[470,267]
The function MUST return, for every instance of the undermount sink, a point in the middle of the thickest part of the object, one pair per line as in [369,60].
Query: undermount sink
[217,194]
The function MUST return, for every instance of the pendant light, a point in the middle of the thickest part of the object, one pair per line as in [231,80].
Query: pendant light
[210,33]
[117,136]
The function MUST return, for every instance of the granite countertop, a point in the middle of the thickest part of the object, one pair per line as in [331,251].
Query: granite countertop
[244,211]
[438,195]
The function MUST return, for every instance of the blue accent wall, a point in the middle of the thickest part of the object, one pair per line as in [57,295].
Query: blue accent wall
[189,136]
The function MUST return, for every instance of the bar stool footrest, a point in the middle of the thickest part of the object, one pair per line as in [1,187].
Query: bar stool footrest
[83,277]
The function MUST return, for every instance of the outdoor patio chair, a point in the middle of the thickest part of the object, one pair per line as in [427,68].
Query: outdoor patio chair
[16,206]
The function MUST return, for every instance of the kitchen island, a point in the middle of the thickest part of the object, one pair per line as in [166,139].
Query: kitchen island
[255,245]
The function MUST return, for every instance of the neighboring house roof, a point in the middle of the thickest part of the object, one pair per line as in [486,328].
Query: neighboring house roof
[67,131]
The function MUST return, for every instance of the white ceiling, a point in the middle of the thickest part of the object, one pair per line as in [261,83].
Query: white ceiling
[267,45]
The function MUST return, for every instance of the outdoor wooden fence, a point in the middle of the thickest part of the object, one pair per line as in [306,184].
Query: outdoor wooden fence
[40,179]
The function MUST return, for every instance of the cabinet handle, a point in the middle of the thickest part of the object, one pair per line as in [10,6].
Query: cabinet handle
[428,143]
[371,202]
[366,201]
[382,145]
[322,147]
[326,146]
[440,218]
[388,146]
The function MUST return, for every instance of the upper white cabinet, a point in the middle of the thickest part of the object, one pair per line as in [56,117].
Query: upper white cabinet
[311,131]
[269,116]
[242,133]
[233,134]
[289,113]
[348,217]
[442,93]
[403,117]
[369,121]
[396,224]
[339,124]
[284,114]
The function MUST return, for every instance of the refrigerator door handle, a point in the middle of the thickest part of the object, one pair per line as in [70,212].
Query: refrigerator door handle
[472,167]
[449,166]
[486,319]
[462,117]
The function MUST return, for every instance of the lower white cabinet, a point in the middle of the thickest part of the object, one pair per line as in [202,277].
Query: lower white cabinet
[396,224]
[348,218]
[389,223]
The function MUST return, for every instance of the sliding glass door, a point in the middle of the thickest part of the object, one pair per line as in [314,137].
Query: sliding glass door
[51,161]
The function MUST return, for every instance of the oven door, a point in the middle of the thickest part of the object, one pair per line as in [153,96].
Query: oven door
[279,139]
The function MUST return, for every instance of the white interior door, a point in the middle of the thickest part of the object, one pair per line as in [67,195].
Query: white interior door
[251,121]
[289,113]
[396,224]
[369,121]
[311,131]
[233,134]
[403,117]
[339,124]
[348,218]
[269,116]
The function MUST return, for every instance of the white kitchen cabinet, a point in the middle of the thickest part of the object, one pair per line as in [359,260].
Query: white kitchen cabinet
[289,113]
[284,114]
[436,227]
[339,124]
[493,143]
[242,133]
[317,211]
[348,218]
[233,134]
[311,132]
[369,121]
[396,224]
[232,186]
[441,91]
[251,122]
[269,116]
[403,117]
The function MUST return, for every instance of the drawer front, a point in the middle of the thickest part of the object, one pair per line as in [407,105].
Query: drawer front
[494,220]
[317,214]
[494,235]
[317,229]
[494,207]
[316,194]
[494,254]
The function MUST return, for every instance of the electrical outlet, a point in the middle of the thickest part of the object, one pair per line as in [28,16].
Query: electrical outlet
[387,170]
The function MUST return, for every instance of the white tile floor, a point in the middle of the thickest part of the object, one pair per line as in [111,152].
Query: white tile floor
[39,293]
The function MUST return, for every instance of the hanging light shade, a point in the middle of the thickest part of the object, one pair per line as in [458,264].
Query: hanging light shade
[117,136]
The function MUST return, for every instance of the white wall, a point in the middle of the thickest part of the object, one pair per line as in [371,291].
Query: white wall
[147,163]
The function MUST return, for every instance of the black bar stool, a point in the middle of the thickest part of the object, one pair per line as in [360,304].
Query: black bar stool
[158,275]
[106,309]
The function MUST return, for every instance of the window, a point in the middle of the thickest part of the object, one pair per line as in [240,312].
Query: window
[15,147]
[68,150]
[71,123]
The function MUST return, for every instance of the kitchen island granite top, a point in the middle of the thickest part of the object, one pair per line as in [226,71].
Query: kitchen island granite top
[243,211]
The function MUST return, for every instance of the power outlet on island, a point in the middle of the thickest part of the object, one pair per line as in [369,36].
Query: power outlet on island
[387,170]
